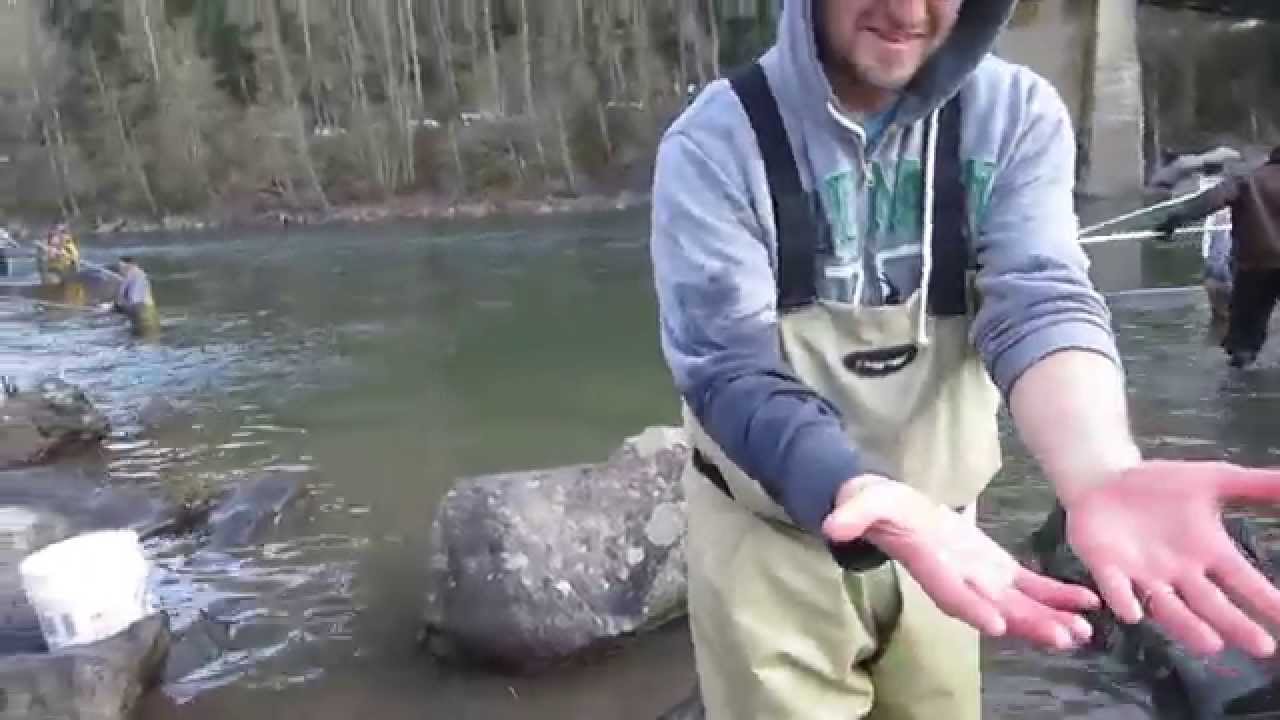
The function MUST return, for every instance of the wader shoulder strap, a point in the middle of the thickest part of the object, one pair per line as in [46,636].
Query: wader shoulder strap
[948,284]
[794,224]
[798,231]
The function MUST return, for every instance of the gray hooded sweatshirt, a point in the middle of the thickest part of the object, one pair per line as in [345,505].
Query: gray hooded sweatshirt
[714,249]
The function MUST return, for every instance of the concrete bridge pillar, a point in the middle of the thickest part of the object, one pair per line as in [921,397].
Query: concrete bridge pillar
[1111,121]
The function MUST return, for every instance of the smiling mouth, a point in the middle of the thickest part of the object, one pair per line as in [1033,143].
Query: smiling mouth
[894,38]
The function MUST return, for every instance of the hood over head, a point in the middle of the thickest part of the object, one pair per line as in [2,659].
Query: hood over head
[974,34]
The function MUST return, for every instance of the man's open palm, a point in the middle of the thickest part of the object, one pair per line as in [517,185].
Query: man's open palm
[1153,539]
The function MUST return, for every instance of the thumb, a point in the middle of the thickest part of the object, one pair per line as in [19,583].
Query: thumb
[855,514]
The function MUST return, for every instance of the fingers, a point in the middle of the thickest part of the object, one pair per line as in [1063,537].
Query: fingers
[1000,608]
[1212,605]
[1056,594]
[955,597]
[1039,623]
[1117,592]
[1169,610]
[1235,575]
[1253,484]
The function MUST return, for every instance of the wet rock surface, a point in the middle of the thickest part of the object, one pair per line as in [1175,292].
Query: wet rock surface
[249,511]
[102,681]
[49,421]
[533,568]
[41,506]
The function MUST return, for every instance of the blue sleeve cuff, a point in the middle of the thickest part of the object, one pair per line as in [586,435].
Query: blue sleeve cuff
[820,461]
[1083,334]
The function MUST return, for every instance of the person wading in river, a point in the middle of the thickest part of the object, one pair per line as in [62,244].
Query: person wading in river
[1253,200]
[134,299]
[861,244]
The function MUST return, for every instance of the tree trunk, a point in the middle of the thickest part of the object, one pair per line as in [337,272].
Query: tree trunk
[603,120]
[374,153]
[495,76]
[151,38]
[394,88]
[304,18]
[644,55]
[713,24]
[54,140]
[445,60]
[53,157]
[131,160]
[566,155]
[468,13]
[530,108]
[414,60]
[582,27]
[272,20]
[410,74]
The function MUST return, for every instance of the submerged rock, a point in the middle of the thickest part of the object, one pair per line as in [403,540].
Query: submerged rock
[102,681]
[530,568]
[53,420]
[251,510]
[197,646]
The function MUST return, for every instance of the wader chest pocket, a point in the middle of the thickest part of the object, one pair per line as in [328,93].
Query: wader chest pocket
[881,362]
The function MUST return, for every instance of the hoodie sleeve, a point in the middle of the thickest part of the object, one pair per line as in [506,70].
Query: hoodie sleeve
[1037,298]
[717,307]
[1208,202]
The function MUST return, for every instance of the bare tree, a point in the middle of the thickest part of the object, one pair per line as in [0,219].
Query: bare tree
[271,25]
[130,158]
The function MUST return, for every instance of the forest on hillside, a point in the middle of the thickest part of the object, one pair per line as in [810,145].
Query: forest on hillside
[157,107]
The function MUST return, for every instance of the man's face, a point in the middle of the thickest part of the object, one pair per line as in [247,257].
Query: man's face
[883,43]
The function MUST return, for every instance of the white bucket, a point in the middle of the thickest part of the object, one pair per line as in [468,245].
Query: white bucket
[88,588]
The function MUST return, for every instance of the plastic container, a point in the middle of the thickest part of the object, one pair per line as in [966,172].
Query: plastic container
[89,587]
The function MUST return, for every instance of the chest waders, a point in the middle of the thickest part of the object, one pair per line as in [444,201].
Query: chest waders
[780,630]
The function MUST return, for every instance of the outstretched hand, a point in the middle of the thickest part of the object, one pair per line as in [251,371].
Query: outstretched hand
[964,571]
[1153,540]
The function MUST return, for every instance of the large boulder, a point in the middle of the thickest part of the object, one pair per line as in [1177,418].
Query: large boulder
[102,681]
[533,568]
[52,420]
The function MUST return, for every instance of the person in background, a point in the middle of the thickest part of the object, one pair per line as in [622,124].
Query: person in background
[60,255]
[134,299]
[1253,200]
[1215,251]
[7,243]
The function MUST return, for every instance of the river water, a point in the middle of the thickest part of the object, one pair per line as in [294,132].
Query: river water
[378,364]
[381,363]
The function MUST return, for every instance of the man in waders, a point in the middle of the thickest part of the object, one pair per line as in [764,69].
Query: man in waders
[134,300]
[861,245]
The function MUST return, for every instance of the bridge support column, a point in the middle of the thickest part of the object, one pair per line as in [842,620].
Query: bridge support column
[1112,119]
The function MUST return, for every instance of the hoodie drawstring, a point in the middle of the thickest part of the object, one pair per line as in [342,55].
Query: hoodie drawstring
[926,241]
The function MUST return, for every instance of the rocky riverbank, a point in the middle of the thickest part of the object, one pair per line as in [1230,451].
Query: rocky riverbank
[54,484]
[413,207]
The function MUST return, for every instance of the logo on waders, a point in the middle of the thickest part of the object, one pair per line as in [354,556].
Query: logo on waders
[881,362]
